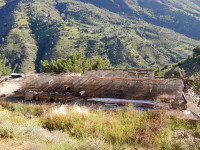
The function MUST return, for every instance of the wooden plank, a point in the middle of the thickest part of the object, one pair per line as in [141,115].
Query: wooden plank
[20,94]
[29,96]
[128,79]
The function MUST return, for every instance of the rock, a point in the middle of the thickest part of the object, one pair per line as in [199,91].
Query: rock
[187,112]
[29,116]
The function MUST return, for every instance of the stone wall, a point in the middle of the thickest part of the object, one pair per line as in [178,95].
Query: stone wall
[121,73]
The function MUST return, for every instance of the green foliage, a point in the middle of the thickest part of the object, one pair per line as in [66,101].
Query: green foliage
[196,51]
[77,63]
[30,32]
[159,71]
[189,67]
[196,84]
[4,69]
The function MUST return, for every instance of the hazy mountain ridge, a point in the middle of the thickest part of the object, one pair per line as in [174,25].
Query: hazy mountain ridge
[33,30]
[165,13]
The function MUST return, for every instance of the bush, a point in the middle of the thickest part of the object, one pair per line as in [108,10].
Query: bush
[196,51]
[4,70]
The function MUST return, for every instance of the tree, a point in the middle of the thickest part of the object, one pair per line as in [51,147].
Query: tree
[45,66]
[101,63]
[4,69]
[77,63]
[196,51]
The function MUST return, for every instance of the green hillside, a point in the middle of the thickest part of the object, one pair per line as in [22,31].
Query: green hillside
[189,68]
[133,33]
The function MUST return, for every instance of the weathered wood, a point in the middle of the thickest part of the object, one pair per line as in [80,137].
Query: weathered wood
[2,97]
[111,85]
[29,96]
[20,94]
[48,98]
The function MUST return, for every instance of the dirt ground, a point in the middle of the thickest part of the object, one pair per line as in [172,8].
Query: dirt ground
[192,112]
[12,144]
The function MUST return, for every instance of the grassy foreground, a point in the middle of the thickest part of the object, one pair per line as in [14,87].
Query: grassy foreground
[34,127]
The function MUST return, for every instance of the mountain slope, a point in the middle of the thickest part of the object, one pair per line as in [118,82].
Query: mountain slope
[189,68]
[133,33]
[172,14]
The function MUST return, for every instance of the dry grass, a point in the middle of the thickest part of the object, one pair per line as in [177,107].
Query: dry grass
[26,109]
[74,127]
[121,128]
